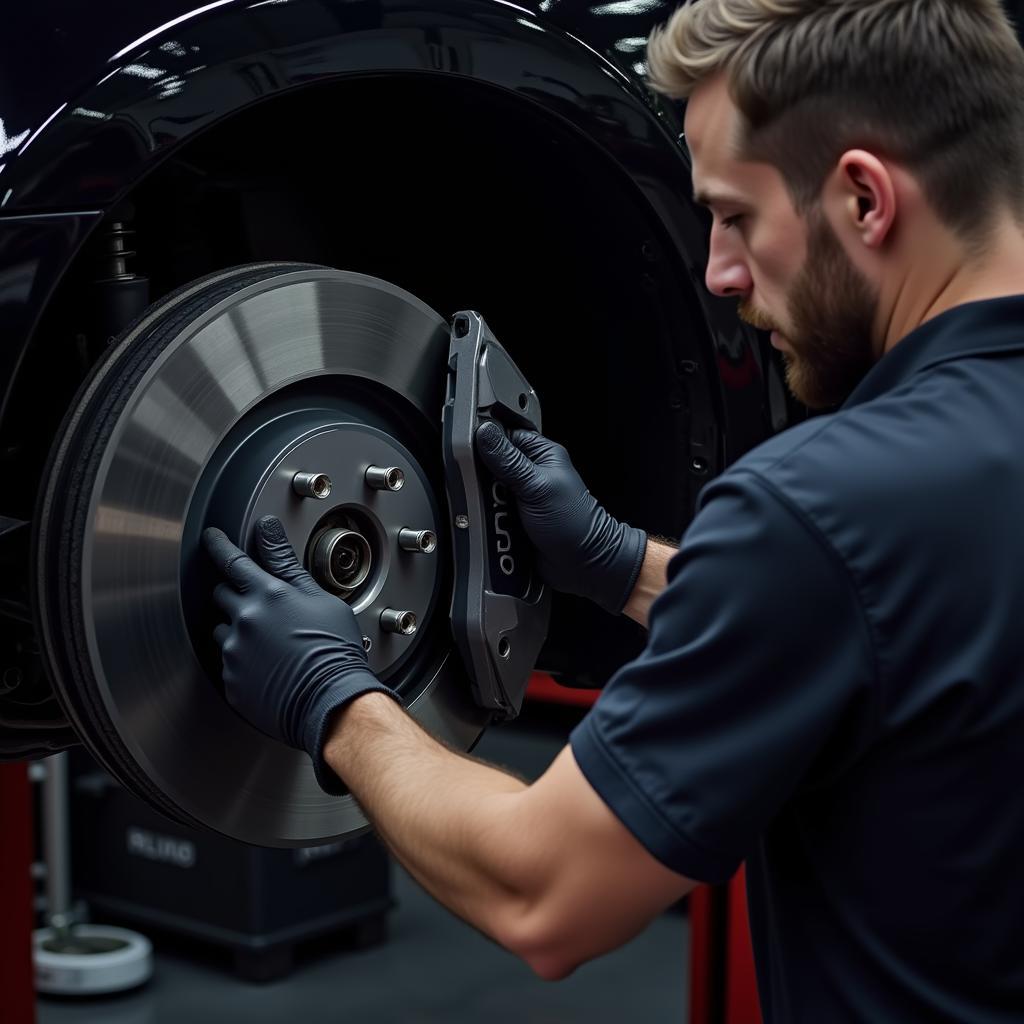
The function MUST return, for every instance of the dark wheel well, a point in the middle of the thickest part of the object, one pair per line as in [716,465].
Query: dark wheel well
[468,197]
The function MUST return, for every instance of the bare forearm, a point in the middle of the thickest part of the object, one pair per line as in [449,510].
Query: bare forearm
[521,863]
[445,817]
[652,580]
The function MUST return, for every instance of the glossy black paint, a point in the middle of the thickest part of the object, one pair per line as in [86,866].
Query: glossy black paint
[101,142]
[52,51]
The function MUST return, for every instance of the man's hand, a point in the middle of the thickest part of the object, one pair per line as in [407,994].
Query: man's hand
[292,654]
[581,549]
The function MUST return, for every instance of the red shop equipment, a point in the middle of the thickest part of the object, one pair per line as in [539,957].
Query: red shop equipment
[16,895]
[723,983]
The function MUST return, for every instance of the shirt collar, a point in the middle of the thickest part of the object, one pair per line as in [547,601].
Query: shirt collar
[973,329]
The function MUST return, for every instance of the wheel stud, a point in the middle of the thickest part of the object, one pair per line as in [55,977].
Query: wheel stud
[403,623]
[420,541]
[389,478]
[312,485]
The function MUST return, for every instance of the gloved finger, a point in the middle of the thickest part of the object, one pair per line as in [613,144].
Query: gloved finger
[523,436]
[508,464]
[221,634]
[227,599]
[277,556]
[231,561]
[536,446]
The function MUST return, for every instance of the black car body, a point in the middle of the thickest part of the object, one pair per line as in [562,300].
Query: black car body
[483,154]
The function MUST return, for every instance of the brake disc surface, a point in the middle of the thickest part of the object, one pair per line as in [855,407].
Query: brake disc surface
[202,414]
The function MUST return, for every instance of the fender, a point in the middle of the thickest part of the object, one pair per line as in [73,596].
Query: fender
[54,50]
[77,153]
[113,108]
[157,75]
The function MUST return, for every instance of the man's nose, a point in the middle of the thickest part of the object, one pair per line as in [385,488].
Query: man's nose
[727,275]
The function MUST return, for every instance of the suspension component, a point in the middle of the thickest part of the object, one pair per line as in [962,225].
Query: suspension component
[120,294]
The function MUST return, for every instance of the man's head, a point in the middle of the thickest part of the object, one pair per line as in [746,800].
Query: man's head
[851,152]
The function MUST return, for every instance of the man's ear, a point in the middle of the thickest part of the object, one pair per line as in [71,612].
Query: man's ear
[864,190]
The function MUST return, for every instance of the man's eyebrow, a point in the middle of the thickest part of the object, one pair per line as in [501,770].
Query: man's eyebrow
[709,198]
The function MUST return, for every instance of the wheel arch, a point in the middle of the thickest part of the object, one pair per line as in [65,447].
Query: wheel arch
[704,383]
[186,78]
[194,79]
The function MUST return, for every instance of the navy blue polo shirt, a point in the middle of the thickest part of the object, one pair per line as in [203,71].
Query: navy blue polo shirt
[833,691]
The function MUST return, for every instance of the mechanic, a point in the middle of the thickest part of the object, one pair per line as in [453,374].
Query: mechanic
[833,684]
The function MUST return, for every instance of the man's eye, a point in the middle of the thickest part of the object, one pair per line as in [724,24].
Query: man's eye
[731,222]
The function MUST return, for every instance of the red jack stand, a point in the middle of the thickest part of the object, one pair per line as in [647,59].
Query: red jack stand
[723,984]
[16,895]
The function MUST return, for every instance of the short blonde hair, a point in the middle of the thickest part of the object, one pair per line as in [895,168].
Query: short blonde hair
[937,85]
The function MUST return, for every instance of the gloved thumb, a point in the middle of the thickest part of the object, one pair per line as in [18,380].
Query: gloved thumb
[508,464]
[277,556]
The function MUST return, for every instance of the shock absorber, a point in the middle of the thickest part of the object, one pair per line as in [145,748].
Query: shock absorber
[120,295]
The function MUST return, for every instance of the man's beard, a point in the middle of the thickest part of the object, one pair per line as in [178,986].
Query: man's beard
[831,310]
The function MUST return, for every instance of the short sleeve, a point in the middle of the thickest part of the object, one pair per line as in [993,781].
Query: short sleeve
[758,648]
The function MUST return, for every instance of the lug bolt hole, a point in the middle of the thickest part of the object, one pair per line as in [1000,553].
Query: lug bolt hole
[504,647]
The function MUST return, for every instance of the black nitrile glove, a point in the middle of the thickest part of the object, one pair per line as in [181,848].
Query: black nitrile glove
[292,654]
[581,549]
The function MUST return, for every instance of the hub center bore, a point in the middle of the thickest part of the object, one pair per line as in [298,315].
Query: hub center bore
[341,560]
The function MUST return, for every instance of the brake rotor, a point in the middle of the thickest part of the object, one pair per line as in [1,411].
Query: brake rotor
[249,392]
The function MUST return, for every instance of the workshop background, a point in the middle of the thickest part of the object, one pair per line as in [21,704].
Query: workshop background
[400,958]
[234,238]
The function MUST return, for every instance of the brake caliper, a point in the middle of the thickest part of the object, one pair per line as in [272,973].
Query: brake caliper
[500,607]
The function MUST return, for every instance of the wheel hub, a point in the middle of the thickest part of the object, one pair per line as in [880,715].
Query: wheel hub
[349,539]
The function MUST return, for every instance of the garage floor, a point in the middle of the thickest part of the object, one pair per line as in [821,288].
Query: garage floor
[433,969]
